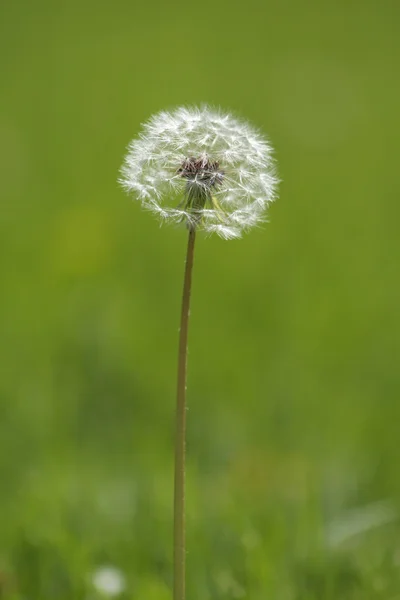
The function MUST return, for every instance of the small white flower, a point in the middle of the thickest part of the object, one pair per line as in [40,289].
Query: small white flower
[201,167]
[108,581]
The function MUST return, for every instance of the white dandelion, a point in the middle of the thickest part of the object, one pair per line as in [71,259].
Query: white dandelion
[201,167]
[210,171]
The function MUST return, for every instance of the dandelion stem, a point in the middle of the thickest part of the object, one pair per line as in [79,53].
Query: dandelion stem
[180,432]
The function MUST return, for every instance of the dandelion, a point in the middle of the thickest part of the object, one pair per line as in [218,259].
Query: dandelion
[212,172]
[203,168]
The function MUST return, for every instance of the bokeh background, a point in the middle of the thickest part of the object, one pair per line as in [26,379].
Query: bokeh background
[294,416]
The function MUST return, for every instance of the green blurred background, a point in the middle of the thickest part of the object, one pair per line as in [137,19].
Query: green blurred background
[293,389]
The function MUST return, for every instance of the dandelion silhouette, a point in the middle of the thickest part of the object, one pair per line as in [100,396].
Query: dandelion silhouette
[212,172]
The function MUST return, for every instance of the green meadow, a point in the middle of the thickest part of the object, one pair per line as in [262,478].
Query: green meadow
[293,475]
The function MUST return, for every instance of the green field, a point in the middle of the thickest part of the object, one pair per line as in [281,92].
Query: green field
[294,414]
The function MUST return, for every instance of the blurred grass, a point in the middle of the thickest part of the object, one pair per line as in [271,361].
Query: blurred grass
[294,342]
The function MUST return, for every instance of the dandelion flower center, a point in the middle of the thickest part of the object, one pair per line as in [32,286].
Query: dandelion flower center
[202,174]
[202,171]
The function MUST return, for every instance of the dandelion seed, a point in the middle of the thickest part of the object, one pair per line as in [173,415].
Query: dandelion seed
[203,168]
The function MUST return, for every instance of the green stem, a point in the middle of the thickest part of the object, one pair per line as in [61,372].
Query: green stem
[180,432]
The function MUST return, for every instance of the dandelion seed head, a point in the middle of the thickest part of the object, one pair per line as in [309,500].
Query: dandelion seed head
[201,167]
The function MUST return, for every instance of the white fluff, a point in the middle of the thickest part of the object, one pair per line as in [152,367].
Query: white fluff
[109,581]
[246,180]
